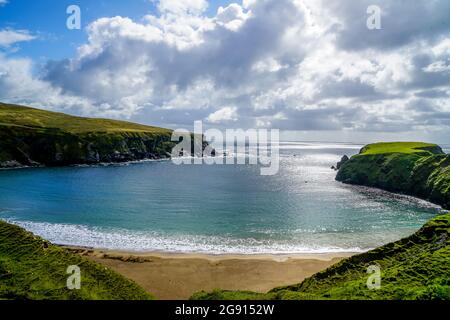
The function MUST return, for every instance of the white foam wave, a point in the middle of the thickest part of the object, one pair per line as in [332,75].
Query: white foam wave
[317,146]
[121,239]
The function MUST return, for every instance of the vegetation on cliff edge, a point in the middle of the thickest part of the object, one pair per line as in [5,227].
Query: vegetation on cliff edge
[33,268]
[417,169]
[401,147]
[32,137]
[417,267]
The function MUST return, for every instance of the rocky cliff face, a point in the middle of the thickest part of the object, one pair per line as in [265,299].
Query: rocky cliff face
[36,137]
[422,174]
[51,147]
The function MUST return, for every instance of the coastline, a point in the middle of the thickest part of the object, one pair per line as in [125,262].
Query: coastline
[174,276]
[88,165]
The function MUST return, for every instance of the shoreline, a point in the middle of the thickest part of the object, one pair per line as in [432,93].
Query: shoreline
[279,257]
[87,165]
[175,276]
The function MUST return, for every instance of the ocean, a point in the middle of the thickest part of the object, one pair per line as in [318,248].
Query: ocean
[214,209]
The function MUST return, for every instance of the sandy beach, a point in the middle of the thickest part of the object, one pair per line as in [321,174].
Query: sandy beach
[178,276]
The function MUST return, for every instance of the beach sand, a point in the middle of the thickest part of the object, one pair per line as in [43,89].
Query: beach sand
[178,276]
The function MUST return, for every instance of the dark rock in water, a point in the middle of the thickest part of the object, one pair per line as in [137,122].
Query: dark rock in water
[344,159]
[10,164]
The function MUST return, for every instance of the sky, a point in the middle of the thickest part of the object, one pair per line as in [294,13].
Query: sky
[311,68]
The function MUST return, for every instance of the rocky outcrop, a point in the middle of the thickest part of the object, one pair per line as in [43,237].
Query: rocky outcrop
[50,147]
[422,174]
[344,159]
[35,137]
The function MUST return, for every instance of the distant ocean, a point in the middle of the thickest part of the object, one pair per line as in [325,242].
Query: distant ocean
[159,206]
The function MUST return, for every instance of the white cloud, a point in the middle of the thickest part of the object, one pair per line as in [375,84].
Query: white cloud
[438,66]
[9,37]
[182,7]
[232,17]
[19,85]
[442,48]
[223,115]
[291,64]
[3,2]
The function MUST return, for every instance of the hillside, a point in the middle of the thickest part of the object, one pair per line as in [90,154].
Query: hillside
[33,137]
[32,268]
[417,169]
[417,267]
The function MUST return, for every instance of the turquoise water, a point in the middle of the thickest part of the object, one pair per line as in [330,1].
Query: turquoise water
[158,206]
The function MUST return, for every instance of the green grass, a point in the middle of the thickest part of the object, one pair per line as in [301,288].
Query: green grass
[21,116]
[33,137]
[401,147]
[32,268]
[417,267]
[418,169]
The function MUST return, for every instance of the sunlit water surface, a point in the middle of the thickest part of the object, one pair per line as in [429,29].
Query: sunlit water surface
[159,206]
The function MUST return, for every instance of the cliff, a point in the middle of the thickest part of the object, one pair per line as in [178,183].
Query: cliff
[417,267]
[417,169]
[33,137]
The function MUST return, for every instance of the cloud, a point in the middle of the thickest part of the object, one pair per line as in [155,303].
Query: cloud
[9,37]
[223,115]
[182,7]
[3,2]
[170,59]
[402,23]
[231,17]
[434,93]
[289,64]
[19,85]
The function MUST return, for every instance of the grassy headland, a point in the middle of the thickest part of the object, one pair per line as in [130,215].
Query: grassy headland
[413,168]
[31,137]
[32,268]
[417,267]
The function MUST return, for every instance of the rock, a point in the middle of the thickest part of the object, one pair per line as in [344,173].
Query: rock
[10,164]
[344,159]
[59,156]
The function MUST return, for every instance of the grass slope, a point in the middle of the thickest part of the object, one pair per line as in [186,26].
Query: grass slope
[418,169]
[401,147]
[33,137]
[417,267]
[21,116]
[32,268]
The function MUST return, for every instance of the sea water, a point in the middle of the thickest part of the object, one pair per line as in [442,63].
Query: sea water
[160,206]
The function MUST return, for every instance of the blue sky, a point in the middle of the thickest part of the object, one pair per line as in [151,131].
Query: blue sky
[47,19]
[309,66]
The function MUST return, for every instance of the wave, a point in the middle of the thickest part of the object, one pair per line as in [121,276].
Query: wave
[318,146]
[119,164]
[136,241]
